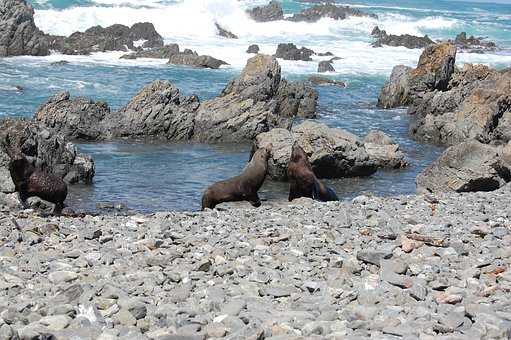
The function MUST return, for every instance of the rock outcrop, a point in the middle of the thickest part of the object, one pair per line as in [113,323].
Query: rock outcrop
[190,58]
[468,166]
[329,10]
[113,38]
[271,12]
[18,32]
[224,33]
[477,105]
[333,153]
[433,72]
[255,102]
[291,52]
[76,118]
[405,40]
[473,45]
[47,151]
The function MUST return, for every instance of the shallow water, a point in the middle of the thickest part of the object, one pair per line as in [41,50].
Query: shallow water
[173,176]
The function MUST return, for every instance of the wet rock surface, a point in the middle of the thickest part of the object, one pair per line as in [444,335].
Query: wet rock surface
[473,44]
[164,52]
[18,32]
[289,51]
[193,59]
[271,12]
[333,153]
[413,267]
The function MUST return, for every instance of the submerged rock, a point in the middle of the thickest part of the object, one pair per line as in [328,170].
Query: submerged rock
[271,12]
[329,10]
[333,153]
[225,33]
[192,59]
[323,81]
[164,52]
[18,33]
[468,166]
[45,150]
[405,40]
[291,52]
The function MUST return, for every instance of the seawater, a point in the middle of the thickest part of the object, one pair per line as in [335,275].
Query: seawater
[172,176]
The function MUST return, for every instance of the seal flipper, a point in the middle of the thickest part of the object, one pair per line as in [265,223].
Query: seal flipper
[332,196]
[316,191]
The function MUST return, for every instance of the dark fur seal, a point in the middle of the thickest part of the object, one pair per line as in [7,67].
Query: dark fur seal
[303,181]
[240,188]
[30,181]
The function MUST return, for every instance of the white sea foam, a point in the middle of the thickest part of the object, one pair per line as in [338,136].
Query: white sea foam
[191,24]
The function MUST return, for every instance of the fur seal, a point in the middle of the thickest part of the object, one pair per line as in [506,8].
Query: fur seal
[30,181]
[243,187]
[303,181]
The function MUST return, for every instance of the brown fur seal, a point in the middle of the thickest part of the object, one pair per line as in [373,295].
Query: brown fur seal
[240,188]
[30,182]
[303,181]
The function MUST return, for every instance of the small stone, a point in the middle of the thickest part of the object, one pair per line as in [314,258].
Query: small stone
[216,330]
[445,298]
[204,266]
[62,276]
[125,318]
[55,322]
[373,256]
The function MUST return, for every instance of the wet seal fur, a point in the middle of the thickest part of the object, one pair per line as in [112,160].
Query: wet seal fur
[243,187]
[30,181]
[303,181]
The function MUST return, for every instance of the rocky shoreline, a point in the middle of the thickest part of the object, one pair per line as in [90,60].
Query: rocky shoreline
[410,267]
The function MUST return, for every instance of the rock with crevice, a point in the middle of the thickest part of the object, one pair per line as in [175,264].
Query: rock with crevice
[289,51]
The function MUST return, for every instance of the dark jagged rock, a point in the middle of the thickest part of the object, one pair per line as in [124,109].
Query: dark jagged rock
[325,66]
[76,118]
[257,101]
[164,52]
[59,63]
[433,72]
[329,11]
[113,38]
[473,45]
[322,81]
[271,12]
[225,33]
[253,49]
[18,32]
[406,40]
[289,51]
[333,153]
[46,151]
[192,59]
[468,166]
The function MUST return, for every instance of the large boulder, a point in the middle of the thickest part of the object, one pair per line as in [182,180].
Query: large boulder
[46,150]
[18,32]
[192,59]
[254,49]
[255,102]
[433,72]
[478,105]
[158,111]
[271,12]
[76,118]
[329,10]
[468,166]
[333,153]
[384,151]
[405,40]
[291,52]
[113,38]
